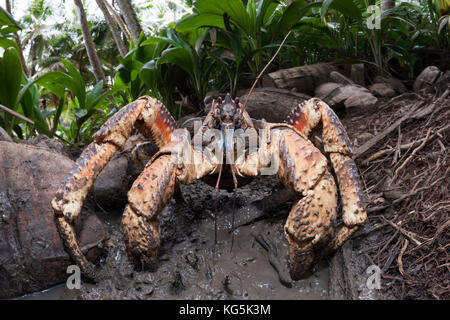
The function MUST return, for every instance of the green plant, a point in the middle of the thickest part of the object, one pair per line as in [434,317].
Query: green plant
[83,105]
[250,33]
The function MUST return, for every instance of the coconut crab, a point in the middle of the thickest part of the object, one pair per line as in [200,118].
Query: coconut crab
[283,149]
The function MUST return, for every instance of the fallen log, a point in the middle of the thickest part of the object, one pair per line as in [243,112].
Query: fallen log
[304,78]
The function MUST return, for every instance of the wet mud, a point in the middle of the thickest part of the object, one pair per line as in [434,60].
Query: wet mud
[191,266]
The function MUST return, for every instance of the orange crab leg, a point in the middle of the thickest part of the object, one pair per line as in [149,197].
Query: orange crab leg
[111,137]
[307,116]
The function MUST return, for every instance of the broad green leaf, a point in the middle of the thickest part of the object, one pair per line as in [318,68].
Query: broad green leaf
[180,57]
[195,21]
[10,78]
[293,13]
[99,97]
[148,74]
[7,43]
[78,85]
[93,95]
[7,22]
[349,8]
[233,8]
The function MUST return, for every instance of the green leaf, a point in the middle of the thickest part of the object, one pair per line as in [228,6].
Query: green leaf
[10,78]
[7,22]
[77,83]
[233,8]
[180,57]
[293,14]
[195,21]
[148,74]
[7,43]
[96,96]
[348,8]
[93,95]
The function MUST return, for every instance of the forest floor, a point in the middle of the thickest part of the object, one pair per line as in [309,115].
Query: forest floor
[404,166]
[406,177]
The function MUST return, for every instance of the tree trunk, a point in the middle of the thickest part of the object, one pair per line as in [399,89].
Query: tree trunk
[119,20]
[113,27]
[89,44]
[130,18]
[19,44]
[387,4]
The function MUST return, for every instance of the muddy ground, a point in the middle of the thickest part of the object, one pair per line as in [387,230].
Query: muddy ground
[188,266]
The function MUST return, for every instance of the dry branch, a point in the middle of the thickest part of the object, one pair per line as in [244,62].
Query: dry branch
[405,146]
[420,147]
[412,236]
[372,142]
[400,262]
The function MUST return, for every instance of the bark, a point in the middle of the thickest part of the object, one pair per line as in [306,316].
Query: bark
[387,4]
[89,44]
[119,21]
[304,78]
[19,44]
[130,18]
[113,27]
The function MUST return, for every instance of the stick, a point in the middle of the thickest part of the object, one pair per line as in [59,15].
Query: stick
[369,144]
[398,150]
[264,69]
[404,147]
[408,234]
[400,262]
[413,193]
[420,147]
[16,114]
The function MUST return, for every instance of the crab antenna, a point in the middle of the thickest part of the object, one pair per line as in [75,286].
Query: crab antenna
[264,69]
[234,206]
[215,206]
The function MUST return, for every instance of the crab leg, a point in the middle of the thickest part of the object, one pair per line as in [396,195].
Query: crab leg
[149,195]
[304,118]
[303,169]
[150,117]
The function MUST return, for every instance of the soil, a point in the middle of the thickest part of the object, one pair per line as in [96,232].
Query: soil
[191,267]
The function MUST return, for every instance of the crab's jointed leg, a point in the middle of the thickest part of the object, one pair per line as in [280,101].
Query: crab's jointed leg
[310,224]
[302,168]
[151,118]
[150,193]
[306,117]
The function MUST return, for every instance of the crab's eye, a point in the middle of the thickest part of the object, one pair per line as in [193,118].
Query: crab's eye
[236,101]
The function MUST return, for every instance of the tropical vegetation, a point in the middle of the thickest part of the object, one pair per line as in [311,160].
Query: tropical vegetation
[64,79]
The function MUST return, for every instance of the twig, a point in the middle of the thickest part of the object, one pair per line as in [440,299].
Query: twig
[264,69]
[16,114]
[398,150]
[404,147]
[400,262]
[418,190]
[397,171]
[403,96]
[408,234]
[369,144]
